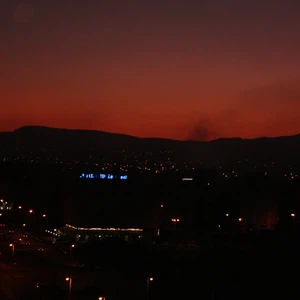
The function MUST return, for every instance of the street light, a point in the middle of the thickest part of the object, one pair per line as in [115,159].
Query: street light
[70,286]
[20,207]
[46,218]
[227,218]
[175,221]
[149,279]
[12,249]
[32,212]
[71,246]
[101,298]
[240,219]
[293,216]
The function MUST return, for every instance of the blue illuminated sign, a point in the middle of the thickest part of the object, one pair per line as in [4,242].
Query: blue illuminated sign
[103,176]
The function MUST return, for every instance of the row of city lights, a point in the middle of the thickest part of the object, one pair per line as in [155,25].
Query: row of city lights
[174,220]
[31,211]
[70,280]
[104,229]
[293,215]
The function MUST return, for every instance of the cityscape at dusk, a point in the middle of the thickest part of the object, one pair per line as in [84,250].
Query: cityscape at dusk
[173,69]
[149,150]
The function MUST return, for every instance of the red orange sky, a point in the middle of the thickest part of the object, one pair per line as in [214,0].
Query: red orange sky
[175,69]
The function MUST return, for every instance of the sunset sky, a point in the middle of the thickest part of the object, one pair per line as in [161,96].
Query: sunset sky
[176,69]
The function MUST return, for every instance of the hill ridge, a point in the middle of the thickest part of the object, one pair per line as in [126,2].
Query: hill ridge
[57,129]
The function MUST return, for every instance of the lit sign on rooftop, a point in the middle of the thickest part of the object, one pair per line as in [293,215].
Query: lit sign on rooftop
[103,176]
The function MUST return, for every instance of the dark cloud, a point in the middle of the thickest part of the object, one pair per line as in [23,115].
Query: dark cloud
[214,126]
[203,130]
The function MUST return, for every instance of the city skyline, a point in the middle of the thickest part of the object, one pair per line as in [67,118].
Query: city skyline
[172,70]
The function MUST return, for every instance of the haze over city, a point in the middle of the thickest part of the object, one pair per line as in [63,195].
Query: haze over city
[173,69]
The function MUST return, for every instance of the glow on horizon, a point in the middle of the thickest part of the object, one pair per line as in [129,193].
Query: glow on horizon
[199,70]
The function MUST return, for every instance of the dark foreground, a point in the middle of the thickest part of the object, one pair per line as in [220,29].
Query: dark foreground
[264,266]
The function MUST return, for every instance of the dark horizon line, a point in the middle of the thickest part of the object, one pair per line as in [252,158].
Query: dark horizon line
[156,138]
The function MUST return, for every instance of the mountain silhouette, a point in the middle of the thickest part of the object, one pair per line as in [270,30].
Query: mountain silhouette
[282,150]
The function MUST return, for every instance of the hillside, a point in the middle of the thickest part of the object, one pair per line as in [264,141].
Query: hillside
[34,138]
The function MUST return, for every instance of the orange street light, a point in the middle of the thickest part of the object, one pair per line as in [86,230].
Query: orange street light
[46,217]
[293,216]
[71,246]
[149,279]
[12,249]
[20,207]
[175,221]
[70,286]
